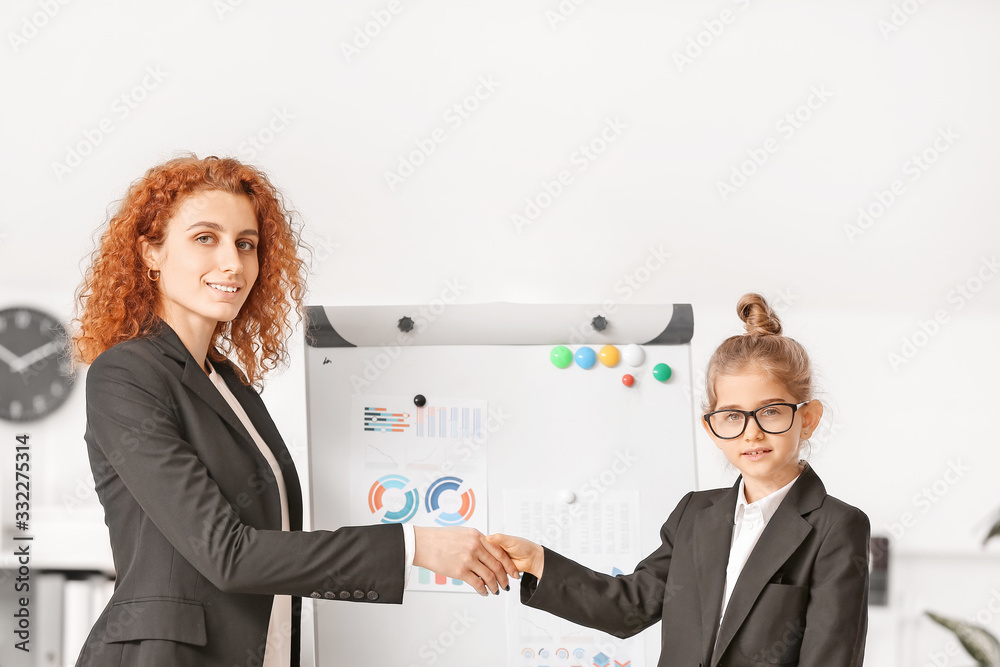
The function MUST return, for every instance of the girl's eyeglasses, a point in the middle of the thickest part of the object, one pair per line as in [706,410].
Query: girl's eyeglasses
[775,419]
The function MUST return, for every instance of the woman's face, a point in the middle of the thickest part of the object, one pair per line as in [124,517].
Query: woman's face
[208,260]
[767,461]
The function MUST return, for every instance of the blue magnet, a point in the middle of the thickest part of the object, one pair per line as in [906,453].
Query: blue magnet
[585,357]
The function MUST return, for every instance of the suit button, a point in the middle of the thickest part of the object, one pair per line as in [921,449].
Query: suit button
[358,595]
[314,594]
[330,595]
[372,595]
[344,595]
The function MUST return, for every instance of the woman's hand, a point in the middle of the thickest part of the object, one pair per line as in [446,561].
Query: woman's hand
[527,556]
[463,553]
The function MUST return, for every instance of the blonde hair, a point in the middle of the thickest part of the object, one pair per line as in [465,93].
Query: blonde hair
[761,348]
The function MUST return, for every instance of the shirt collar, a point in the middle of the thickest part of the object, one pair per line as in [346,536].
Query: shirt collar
[767,505]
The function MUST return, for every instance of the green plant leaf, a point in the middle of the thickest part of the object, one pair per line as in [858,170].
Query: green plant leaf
[981,645]
[994,532]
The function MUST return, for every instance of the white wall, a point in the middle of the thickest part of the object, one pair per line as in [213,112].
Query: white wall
[328,128]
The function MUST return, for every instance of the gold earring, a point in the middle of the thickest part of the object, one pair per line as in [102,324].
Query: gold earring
[150,272]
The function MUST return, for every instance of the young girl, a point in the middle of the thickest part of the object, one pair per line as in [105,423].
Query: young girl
[201,497]
[770,571]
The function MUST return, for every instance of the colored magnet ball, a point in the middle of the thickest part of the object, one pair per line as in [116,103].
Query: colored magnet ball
[609,356]
[419,400]
[661,372]
[561,356]
[585,357]
[633,355]
[628,380]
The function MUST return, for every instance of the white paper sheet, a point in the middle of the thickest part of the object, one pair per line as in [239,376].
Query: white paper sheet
[603,535]
[426,466]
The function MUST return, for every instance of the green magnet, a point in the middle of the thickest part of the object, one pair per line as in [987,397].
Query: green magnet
[560,356]
[661,372]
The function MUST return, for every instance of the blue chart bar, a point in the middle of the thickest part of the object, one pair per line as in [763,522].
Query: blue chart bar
[453,422]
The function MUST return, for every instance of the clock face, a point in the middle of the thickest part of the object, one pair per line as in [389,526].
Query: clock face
[35,366]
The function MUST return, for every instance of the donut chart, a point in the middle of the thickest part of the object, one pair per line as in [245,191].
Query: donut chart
[443,496]
[395,495]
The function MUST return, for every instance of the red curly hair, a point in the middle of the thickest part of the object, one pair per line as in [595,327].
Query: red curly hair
[118,302]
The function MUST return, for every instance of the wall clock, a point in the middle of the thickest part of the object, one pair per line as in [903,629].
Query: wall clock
[35,367]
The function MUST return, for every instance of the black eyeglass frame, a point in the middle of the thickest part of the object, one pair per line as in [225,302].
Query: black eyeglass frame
[753,413]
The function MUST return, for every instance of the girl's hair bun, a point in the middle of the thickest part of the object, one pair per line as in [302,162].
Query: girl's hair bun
[759,318]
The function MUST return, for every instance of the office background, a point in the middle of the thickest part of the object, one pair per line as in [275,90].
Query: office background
[836,157]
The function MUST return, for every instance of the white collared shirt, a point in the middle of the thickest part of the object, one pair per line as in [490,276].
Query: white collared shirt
[749,522]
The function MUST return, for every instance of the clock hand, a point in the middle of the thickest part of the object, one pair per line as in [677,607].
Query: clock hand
[11,359]
[20,365]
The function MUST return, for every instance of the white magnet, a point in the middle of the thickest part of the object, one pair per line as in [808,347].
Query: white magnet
[633,354]
[568,497]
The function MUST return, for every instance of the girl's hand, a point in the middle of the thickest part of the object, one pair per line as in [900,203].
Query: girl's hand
[527,556]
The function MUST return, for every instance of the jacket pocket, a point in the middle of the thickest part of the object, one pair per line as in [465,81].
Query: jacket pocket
[772,632]
[172,619]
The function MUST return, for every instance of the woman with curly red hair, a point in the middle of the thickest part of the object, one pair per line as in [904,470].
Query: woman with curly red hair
[202,501]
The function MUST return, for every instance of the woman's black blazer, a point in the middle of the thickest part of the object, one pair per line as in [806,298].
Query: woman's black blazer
[801,599]
[193,512]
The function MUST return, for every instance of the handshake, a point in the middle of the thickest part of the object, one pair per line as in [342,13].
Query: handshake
[483,561]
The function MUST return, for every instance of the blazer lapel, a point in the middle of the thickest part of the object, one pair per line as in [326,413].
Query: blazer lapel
[261,421]
[713,535]
[195,379]
[784,533]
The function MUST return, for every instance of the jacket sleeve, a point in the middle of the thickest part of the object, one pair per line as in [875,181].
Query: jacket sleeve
[837,614]
[621,606]
[132,418]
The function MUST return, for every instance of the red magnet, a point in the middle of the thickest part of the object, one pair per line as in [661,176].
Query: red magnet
[628,380]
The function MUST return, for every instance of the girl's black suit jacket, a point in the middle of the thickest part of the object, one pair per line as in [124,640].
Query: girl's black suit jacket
[193,512]
[801,599]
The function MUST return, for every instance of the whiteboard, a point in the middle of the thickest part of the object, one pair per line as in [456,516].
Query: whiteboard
[560,430]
